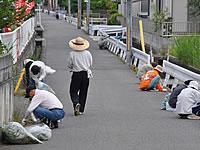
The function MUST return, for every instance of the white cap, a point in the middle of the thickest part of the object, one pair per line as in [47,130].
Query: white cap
[194,84]
[27,60]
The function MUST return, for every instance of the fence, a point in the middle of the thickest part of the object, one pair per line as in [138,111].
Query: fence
[6,89]
[180,28]
[19,38]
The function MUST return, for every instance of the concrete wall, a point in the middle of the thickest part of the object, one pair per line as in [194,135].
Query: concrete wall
[19,104]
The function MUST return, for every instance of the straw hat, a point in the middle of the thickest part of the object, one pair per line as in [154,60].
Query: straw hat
[79,44]
[194,84]
[159,68]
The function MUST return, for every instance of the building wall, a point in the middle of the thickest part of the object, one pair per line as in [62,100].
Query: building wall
[167,6]
[176,8]
[152,8]
[135,9]
[180,11]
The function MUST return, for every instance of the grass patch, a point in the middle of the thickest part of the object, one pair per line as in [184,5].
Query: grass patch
[187,50]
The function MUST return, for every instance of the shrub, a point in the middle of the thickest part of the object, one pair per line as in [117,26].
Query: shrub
[112,20]
[187,50]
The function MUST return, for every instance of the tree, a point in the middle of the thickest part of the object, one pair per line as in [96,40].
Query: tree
[194,7]
[158,18]
[7,13]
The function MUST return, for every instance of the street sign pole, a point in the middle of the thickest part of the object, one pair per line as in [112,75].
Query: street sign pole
[88,16]
[69,7]
[79,15]
[129,29]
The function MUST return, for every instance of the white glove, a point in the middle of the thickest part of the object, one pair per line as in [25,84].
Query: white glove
[33,117]
[164,90]
[89,73]
[24,121]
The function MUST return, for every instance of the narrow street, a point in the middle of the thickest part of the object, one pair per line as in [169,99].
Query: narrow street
[118,115]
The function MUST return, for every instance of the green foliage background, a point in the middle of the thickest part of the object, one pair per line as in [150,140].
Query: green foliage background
[95,6]
[194,6]
[7,12]
[187,50]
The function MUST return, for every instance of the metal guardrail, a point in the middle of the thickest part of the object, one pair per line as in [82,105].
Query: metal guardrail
[99,21]
[179,74]
[19,38]
[119,48]
[141,58]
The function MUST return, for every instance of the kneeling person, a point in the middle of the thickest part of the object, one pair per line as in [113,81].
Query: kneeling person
[151,80]
[44,105]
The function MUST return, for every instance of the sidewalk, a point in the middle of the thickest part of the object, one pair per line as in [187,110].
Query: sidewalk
[118,115]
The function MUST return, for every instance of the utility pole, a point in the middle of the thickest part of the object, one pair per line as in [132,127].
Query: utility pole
[49,5]
[56,4]
[129,27]
[79,14]
[88,16]
[69,7]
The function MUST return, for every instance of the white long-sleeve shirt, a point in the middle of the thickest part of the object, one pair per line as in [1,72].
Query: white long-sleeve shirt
[44,70]
[187,99]
[80,61]
[43,99]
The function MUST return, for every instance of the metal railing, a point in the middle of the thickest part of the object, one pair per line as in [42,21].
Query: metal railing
[19,38]
[180,28]
[119,48]
[99,21]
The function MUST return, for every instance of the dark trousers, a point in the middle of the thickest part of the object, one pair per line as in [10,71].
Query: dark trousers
[79,88]
[196,110]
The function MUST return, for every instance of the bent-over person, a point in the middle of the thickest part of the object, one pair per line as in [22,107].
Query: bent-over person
[45,106]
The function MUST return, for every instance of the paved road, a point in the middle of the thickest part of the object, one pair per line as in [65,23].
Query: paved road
[118,115]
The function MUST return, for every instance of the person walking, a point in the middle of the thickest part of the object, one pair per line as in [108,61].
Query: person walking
[79,62]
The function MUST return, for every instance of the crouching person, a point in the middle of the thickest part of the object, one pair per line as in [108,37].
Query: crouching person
[45,106]
[151,80]
[187,106]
